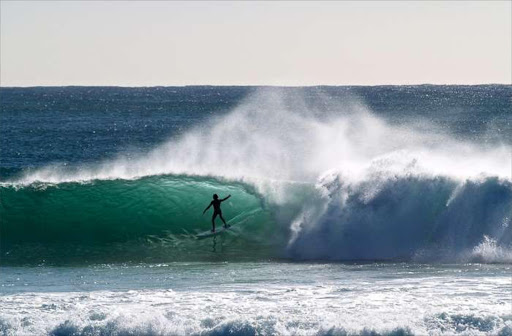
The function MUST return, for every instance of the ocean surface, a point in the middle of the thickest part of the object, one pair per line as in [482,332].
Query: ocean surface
[382,210]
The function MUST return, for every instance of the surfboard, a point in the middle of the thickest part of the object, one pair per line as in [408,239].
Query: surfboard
[209,233]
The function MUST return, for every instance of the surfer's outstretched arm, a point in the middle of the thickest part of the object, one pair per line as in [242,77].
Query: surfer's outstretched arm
[208,207]
[222,200]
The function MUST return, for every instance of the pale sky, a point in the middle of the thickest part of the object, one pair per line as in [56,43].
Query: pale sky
[130,43]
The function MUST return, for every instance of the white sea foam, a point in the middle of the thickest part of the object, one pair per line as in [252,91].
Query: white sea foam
[490,251]
[310,300]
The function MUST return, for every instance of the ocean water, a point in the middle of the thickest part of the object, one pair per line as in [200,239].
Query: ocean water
[380,210]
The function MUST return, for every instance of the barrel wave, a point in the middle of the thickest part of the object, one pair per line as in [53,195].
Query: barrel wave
[307,184]
[130,220]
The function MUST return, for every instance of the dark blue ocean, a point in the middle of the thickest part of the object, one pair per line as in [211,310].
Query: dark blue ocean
[382,210]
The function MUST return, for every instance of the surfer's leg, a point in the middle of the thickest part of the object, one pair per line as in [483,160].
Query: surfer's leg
[225,225]
[213,221]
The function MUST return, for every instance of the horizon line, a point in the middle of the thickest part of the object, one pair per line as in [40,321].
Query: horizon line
[249,85]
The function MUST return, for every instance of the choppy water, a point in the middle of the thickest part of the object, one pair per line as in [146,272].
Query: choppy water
[258,298]
[102,191]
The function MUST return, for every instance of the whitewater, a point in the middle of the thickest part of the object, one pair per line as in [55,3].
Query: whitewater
[346,221]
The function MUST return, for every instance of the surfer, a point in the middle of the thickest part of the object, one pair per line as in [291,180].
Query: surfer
[216,210]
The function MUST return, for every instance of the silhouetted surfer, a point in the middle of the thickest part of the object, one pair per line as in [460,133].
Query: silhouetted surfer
[216,210]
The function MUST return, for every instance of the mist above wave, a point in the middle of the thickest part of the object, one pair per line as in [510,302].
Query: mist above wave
[282,137]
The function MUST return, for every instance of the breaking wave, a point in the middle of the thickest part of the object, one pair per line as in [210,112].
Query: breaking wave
[340,184]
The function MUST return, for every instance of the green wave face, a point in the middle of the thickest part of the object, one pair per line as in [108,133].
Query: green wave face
[129,220]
